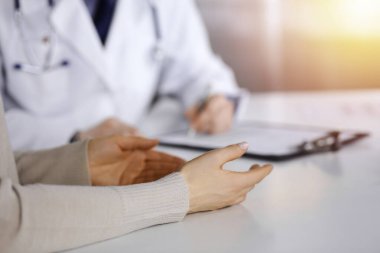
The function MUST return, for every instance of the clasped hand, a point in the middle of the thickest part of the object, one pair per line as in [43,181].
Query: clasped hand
[124,160]
[121,160]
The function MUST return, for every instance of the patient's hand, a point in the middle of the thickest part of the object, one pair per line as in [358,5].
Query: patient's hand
[211,187]
[123,160]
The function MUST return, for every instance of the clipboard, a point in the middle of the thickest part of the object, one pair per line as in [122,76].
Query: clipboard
[268,141]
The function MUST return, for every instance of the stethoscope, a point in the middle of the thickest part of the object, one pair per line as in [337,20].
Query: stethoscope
[50,40]
[159,53]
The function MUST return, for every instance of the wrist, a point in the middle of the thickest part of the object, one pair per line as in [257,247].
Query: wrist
[192,200]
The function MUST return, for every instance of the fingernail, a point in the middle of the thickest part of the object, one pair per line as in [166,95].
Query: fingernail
[244,145]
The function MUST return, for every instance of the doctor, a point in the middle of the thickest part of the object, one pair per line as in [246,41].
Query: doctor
[78,69]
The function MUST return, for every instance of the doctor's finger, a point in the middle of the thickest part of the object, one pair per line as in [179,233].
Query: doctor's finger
[203,123]
[217,104]
[221,122]
[191,113]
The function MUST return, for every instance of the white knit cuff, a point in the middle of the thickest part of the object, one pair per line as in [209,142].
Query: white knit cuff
[163,201]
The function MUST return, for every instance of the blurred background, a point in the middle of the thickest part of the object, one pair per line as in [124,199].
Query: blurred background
[292,45]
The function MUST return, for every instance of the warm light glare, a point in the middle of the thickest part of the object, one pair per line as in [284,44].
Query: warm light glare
[360,17]
[352,18]
[331,43]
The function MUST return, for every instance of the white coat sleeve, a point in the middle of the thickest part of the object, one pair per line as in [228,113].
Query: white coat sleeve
[192,67]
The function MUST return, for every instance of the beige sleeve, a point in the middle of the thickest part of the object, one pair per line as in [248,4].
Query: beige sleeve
[47,218]
[60,166]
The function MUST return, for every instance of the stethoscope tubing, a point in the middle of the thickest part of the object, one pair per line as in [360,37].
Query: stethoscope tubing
[158,54]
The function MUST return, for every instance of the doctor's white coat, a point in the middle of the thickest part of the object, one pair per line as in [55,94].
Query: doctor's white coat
[119,79]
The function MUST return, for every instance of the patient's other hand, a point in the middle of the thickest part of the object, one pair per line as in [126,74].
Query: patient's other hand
[211,187]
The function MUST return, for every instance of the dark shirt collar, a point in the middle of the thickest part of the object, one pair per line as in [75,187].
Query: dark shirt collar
[91,6]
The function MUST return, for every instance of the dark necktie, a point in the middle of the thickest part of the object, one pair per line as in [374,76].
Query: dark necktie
[102,12]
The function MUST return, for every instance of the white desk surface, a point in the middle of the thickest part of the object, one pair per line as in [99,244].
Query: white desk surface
[322,203]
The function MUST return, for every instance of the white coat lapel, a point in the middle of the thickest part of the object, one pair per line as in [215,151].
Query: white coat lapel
[120,36]
[73,23]
[125,51]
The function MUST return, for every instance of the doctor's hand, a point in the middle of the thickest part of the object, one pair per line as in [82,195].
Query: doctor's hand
[121,160]
[110,126]
[211,187]
[216,116]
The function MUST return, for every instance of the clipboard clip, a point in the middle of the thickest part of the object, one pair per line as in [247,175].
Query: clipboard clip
[329,142]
